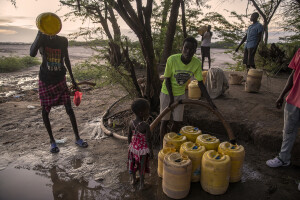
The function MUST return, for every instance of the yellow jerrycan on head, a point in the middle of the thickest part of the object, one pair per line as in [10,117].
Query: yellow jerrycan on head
[161,155]
[190,132]
[210,142]
[195,154]
[215,172]
[177,175]
[174,139]
[48,23]
[237,156]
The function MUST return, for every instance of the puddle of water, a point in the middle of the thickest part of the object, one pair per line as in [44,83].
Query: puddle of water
[24,184]
[33,185]
[76,163]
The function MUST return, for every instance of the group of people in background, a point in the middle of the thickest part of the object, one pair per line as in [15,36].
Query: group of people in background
[179,69]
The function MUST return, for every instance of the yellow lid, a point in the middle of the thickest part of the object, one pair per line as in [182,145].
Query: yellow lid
[48,23]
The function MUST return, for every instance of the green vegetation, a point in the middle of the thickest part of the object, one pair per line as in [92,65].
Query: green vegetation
[88,43]
[15,63]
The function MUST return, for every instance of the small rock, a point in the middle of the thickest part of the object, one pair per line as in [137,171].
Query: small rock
[30,107]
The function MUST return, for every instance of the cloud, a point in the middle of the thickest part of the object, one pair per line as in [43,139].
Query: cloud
[17,34]
[7,32]
[5,20]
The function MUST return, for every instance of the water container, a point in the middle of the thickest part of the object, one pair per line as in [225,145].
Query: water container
[194,91]
[237,156]
[208,141]
[253,80]
[215,172]
[202,30]
[161,155]
[190,132]
[48,23]
[187,84]
[235,79]
[174,139]
[176,176]
[195,154]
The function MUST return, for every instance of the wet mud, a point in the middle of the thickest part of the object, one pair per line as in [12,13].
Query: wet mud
[29,171]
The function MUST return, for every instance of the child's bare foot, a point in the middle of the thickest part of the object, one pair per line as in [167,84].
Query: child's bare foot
[142,186]
[133,180]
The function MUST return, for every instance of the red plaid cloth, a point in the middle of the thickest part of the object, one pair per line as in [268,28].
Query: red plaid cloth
[54,94]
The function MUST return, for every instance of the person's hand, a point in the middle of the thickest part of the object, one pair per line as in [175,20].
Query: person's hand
[233,142]
[75,86]
[279,103]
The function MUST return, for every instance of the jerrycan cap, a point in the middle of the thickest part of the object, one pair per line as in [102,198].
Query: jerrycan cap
[195,147]
[178,133]
[196,129]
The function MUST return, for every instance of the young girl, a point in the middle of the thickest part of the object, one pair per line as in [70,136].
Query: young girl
[140,147]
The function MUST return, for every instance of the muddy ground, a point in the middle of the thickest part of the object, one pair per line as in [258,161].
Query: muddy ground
[29,171]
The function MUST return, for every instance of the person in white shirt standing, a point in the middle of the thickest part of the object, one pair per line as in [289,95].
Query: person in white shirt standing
[205,46]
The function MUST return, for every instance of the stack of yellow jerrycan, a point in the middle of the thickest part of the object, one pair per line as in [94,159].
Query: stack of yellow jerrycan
[177,175]
[215,172]
[161,155]
[208,141]
[195,154]
[237,156]
[175,139]
[194,91]
[190,132]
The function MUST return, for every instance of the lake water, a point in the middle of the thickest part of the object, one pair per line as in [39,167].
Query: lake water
[77,54]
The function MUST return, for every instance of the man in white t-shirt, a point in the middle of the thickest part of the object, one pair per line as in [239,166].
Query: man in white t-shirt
[205,45]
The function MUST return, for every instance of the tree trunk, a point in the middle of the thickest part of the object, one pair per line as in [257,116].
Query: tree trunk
[170,32]
[183,19]
[266,32]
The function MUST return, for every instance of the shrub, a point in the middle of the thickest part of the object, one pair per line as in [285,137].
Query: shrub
[15,63]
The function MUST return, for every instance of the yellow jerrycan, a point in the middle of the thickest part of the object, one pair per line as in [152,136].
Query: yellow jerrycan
[208,141]
[194,91]
[174,139]
[177,175]
[48,23]
[190,132]
[237,156]
[195,154]
[215,172]
[161,155]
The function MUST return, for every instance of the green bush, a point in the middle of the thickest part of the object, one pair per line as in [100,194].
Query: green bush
[15,63]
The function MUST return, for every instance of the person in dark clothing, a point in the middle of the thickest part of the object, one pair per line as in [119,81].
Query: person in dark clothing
[253,37]
[53,88]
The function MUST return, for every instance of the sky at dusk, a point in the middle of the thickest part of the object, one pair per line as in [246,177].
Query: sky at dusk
[17,24]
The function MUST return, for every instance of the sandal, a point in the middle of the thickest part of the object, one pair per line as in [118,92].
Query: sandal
[82,143]
[54,148]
